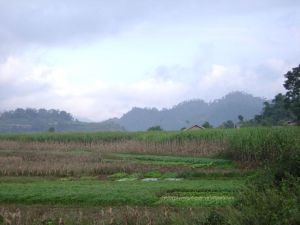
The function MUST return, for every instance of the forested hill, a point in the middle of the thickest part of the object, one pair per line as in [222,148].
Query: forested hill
[33,120]
[182,115]
[192,112]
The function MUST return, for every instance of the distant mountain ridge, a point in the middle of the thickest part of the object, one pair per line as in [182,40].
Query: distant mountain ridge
[184,114]
[192,112]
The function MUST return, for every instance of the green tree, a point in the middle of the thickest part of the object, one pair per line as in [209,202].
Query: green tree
[207,125]
[292,85]
[51,129]
[276,113]
[155,128]
[228,124]
[241,119]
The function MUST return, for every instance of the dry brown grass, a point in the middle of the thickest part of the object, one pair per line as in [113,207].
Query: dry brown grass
[19,158]
[189,147]
[14,214]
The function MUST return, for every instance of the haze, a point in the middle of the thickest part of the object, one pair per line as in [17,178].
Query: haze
[98,59]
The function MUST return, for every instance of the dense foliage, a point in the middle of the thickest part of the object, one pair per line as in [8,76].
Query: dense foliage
[284,108]
[292,85]
[274,113]
[155,128]
[273,196]
[206,124]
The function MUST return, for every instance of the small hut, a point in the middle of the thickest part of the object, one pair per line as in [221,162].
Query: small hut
[194,127]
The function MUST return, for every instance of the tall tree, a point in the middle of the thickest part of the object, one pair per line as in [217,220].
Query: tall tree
[207,125]
[275,113]
[228,124]
[241,119]
[292,84]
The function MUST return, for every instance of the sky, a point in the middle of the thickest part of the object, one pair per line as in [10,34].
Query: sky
[99,58]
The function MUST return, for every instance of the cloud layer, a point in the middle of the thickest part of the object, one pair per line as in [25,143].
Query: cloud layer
[97,59]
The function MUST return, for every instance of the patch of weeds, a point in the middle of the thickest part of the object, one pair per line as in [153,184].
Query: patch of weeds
[136,175]
[196,198]
[119,175]
[198,193]
[215,218]
[67,179]
[221,165]
[193,162]
[194,201]
[48,222]
[153,174]
[127,179]
[169,175]
[215,175]
[88,178]
[78,151]
[1,219]
[203,165]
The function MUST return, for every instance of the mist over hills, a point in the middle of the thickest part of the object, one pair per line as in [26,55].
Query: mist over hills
[41,120]
[184,114]
[192,112]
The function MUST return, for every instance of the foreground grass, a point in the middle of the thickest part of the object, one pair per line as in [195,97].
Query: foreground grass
[106,193]
[49,215]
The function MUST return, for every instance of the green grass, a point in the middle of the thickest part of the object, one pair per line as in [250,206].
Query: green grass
[197,198]
[194,162]
[215,134]
[119,175]
[106,193]
[196,201]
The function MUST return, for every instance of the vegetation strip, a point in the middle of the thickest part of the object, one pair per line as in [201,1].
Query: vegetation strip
[94,192]
[194,201]
[176,160]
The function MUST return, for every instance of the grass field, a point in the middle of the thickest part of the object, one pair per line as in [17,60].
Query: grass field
[247,144]
[194,162]
[139,178]
[90,191]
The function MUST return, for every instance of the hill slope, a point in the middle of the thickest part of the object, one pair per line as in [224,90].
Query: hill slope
[33,120]
[192,112]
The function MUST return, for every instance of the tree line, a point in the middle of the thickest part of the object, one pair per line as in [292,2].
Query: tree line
[284,109]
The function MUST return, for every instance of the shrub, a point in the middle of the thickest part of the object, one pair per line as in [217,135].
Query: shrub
[118,175]
[215,218]
[273,197]
[153,174]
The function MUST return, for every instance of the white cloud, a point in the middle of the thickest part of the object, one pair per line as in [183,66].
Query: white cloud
[264,80]
[24,84]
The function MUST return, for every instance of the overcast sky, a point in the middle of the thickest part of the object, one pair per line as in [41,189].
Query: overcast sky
[99,58]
